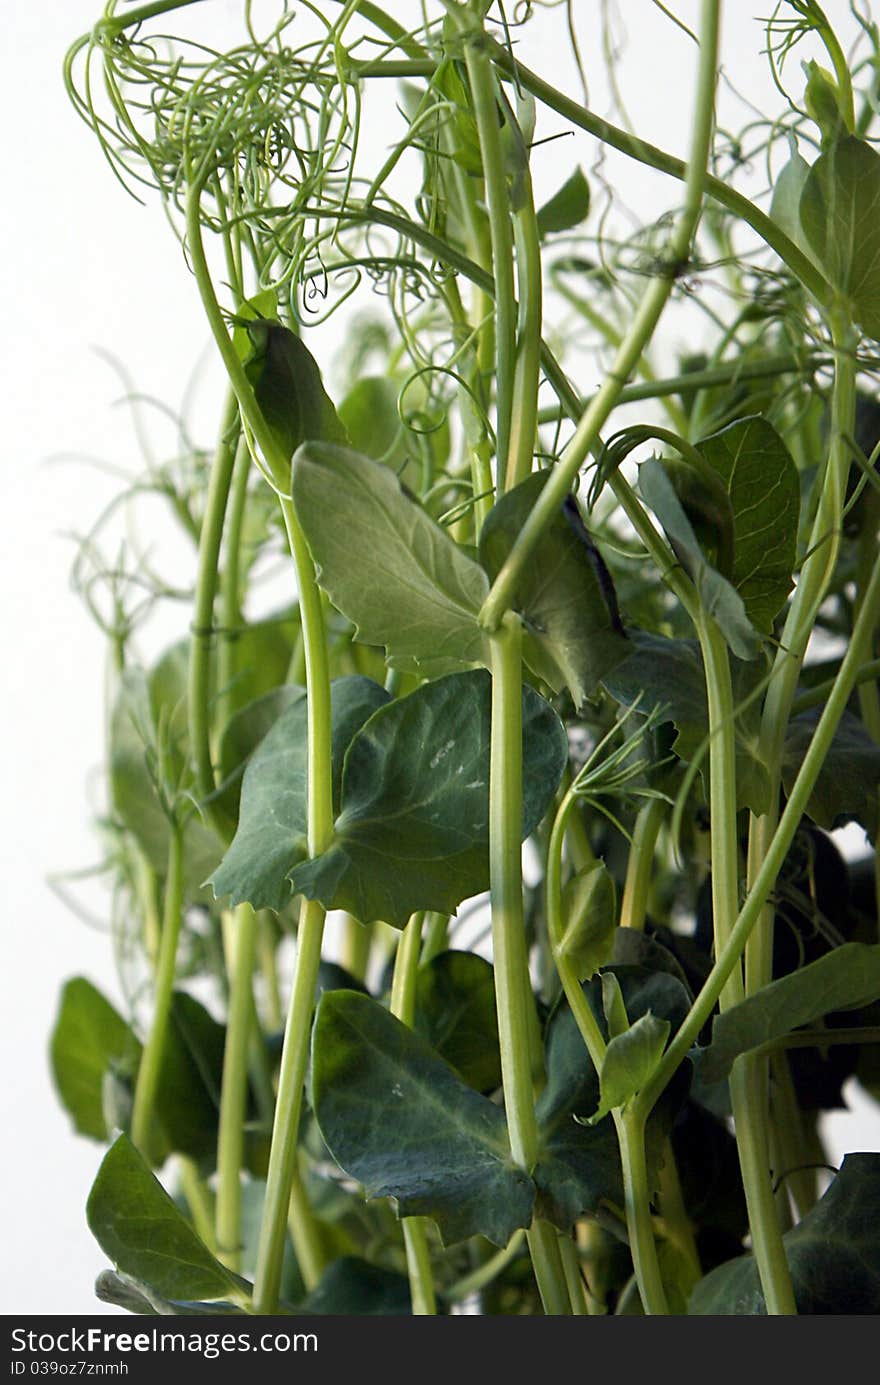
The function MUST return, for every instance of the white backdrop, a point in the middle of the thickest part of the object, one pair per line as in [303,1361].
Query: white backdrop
[86,267]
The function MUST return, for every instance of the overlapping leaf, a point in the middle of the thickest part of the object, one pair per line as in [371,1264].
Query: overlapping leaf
[413,827]
[565,593]
[384,562]
[397,1118]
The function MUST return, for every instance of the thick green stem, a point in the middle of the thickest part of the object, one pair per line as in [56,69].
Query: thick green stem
[640,863]
[234,1087]
[198,1200]
[150,1068]
[403,1006]
[636,338]
[513,989]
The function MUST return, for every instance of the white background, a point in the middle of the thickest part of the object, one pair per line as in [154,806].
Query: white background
[86,267]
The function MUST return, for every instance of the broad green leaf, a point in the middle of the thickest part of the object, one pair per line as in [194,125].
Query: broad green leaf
[764,488]
[833,1254]
[565,594]
[146,1236]
[589,912]
[838,213]
[717,596]
[370,416]
[629,1061]
[384,562]
[846,788]
[846,977]
[350,1287]
[668,674]
[455,1013]
[288,388]
[567,208]
[273,823]
[397,1118]
[413,830]
[90,1040]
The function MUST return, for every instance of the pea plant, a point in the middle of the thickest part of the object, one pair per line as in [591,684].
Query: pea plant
[565,691]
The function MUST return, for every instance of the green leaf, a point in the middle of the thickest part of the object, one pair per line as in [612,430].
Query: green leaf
[288,388]
[141,800]
[846,977]
[578,1166]
[785,205]
[242,734]
[567,208]
[764,488]
[838,213]
[90,1040]
[134,1297]
[370,416]
[846,788]
[350,1287]
[629,1061]
[397,1118]
[384,562]
[273,824]
[565,594]
[833,1254]
[413,830]
[141,1230]
[717,596]
[668,674]
[188,1098]
[455,1013]
[589,911]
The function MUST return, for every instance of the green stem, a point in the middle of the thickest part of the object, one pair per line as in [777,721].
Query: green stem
[150,1068]
[676,1221]
[294,1057]
[527,379]
[234,1086]
[285,1130]
[305,1233]
[636,338]
[640,864]
[513,990]
[232,617]
[198,1200]
[634,148]
[772,864]
[403,1007]
[202,629]
[722,796]
[486,110]
[747,1097]
[436,937]
[571,1265]
[637,1197]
